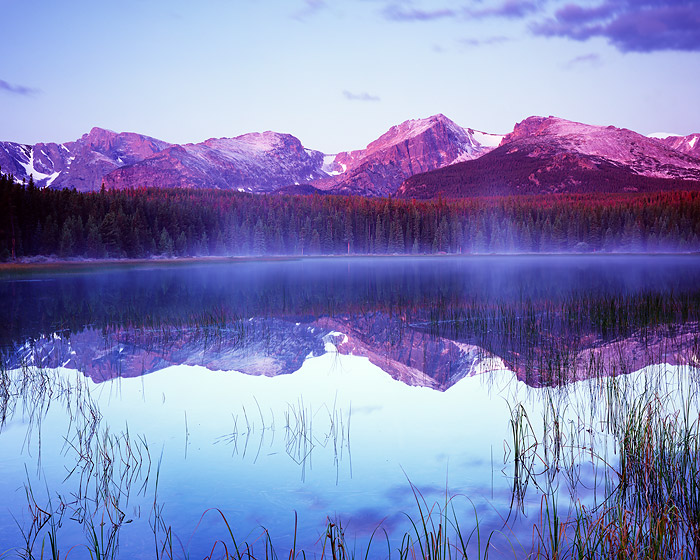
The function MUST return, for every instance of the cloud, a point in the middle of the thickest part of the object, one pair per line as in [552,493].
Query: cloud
[629,25]
[395,12]
[363,96]
[309,9]
[17,89]
[487,41]
[509,9]
[592,59]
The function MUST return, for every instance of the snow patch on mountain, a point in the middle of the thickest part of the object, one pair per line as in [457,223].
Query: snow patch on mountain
[31,171]
[267,161]
[486,139]
[661,135]
[651,157]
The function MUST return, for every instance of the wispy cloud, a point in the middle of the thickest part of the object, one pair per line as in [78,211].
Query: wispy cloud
[629,25]
[486,41]
[591,59]
[17,89]
[398,12]
[309,9]
[509,9]
[363,96]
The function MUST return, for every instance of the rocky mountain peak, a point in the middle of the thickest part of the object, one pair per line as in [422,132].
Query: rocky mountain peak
[257,143]
[689,144]
[414,146]
[412,128]
[556,151]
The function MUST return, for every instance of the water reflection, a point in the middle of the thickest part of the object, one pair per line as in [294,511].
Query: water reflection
[427,321]
[136,458]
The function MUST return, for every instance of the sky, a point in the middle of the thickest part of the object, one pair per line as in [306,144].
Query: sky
[339,73]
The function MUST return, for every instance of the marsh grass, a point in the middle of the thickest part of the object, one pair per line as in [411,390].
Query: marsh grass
[644,449]
[105,465]
[641,441]
[305,429]
[647,506]
[436,534]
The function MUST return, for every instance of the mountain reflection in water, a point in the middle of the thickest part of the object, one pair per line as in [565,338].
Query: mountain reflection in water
[426,321]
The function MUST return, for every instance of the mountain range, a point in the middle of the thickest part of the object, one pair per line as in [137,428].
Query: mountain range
[422,158]
[418,357]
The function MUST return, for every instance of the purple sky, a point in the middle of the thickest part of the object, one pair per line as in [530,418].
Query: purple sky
[338,73]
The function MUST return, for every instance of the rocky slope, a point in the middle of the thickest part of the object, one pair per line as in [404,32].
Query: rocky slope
[81,164]
[687,144]
[420,158]
[257,162]
[546,155]
[642,155]
[412,147]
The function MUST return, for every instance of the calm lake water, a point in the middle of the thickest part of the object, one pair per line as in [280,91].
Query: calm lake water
[165,410]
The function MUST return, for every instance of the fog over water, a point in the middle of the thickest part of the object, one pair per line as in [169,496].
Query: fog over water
[154,404]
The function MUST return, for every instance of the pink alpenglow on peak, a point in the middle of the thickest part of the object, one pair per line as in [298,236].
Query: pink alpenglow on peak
[560,156]
[255,162]
[644,155]
[687,144]
[414,146]
[549,155]
[81,164]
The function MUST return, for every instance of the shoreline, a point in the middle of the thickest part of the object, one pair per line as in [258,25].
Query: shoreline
[40,263]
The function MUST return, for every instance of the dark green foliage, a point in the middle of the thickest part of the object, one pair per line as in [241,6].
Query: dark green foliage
[184,222]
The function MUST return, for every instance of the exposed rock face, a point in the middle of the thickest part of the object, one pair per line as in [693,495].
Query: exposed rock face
[81,164]
[551,155]
[257,162]
[642,155]
[419,158]
[687,144]
[412,147]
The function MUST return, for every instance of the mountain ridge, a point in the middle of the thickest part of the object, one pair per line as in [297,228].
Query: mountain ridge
[549,155]
[561,156]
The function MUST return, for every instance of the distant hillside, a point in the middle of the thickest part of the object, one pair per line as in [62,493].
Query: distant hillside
[549,155]
[421,158]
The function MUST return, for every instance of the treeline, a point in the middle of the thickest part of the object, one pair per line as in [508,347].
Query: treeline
[188,222]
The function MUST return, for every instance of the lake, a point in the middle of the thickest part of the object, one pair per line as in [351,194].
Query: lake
[426,407]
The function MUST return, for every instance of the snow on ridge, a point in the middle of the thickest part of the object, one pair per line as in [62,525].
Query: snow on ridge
[565,127]
[412,127]
[257,141]
[690,140]
[487,139]
[661,135]
[52,178]
[328,161]
[30,170]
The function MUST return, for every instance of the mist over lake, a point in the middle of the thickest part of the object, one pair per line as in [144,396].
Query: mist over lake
[183,410]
